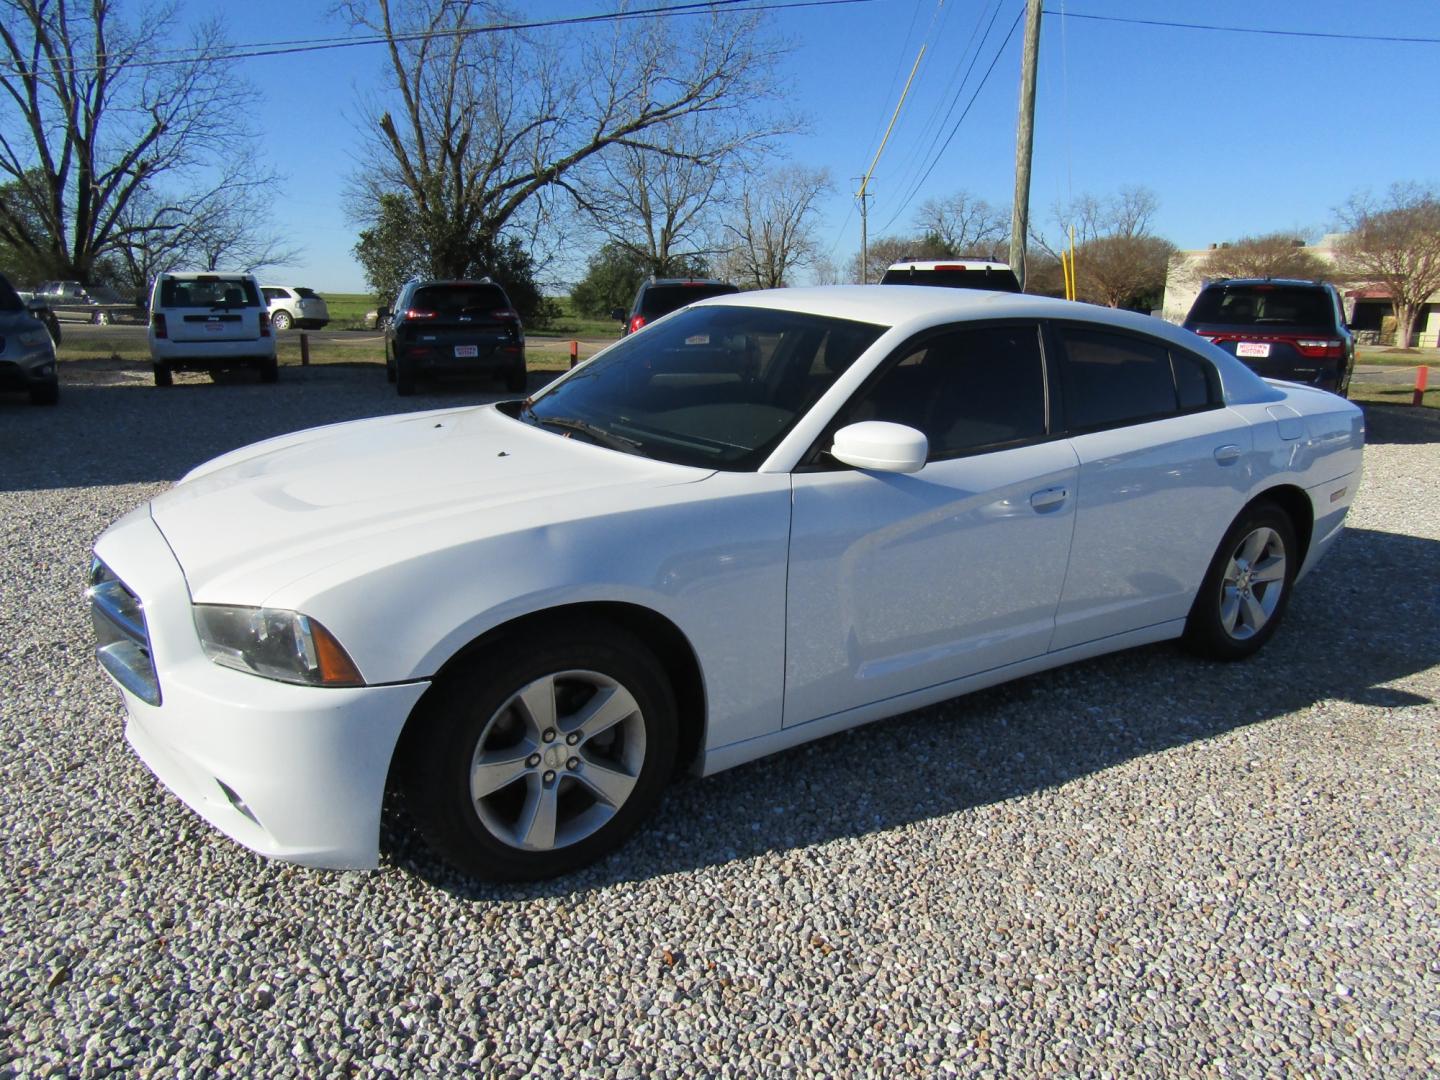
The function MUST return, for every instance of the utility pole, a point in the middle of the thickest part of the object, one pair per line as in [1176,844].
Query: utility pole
[863,195]
[1025,141]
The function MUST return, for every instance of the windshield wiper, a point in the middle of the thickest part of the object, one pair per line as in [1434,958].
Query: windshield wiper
[592,431]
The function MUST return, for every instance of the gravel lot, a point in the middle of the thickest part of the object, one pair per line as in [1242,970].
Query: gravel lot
[1143,864]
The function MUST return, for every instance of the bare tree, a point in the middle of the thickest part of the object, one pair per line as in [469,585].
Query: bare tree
[87,124]
[1122,270]
[228,225]
[1278,255]
[1394,241]
[484,119]
[774,227]
[966,225]
[1119,261]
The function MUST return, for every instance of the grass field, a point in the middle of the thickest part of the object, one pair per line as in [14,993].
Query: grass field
[1392,395]
[1395,357]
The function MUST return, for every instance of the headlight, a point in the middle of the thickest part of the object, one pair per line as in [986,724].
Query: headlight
[277,644]
[34,337]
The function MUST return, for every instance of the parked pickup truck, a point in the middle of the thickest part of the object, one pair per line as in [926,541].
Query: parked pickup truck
[98,304]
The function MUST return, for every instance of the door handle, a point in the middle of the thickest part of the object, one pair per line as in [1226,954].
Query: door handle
[1048,499]
[1227,454]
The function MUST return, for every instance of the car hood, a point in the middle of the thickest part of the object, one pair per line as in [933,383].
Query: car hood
[253,521]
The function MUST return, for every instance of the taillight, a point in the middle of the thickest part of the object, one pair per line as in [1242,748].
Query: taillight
[264,324]
[505,313]
[636,322]
[157,324]
[419,313]
[1319,347]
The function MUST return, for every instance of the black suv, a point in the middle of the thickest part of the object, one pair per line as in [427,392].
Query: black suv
[660,296]
[454,328]
[1279,328]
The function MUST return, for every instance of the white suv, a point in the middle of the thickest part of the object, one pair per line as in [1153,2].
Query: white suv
[294,305]
[203,320]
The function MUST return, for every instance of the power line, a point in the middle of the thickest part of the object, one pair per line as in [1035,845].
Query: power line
[968,105]
[1246,29]
[309,45]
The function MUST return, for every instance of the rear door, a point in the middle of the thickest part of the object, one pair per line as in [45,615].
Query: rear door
[1164,469]
[211,307]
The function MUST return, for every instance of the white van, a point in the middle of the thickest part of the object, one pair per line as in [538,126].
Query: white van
[204,320]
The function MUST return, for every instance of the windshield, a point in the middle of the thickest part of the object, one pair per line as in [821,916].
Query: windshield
[954,277]
[717,387]
[660,300]
[208,291]
[1260,305]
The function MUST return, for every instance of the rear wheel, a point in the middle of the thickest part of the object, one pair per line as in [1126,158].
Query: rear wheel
[163,376]
[543,754]
[281,320]
[404,379]
[270,370]
[516,380]
[1247,588]
[100,318]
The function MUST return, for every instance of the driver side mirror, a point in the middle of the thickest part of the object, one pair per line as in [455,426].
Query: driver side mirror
[36,306]
[880,446]
[618,314]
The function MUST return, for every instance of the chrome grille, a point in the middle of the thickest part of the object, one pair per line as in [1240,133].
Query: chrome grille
[122,640]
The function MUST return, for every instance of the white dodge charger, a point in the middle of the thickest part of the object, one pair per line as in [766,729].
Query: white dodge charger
[766,518]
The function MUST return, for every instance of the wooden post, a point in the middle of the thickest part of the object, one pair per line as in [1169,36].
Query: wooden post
[574,353]
[304,349]
[1422,380]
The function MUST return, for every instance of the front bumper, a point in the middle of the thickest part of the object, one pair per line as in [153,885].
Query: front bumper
[292,772]
[26,370]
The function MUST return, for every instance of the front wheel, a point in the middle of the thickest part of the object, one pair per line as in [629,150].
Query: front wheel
[542,754]
[1247,588]
[100,318]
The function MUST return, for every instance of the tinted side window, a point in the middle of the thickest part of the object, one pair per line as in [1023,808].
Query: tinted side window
[967,390]
[1110,379]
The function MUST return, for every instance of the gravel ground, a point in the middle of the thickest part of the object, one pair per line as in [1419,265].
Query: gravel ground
[1143,864]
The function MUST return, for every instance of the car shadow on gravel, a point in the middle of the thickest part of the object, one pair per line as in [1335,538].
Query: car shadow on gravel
[1368,616]
[1401,424]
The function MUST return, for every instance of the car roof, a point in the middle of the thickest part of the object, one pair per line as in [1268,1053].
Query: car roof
[192,274]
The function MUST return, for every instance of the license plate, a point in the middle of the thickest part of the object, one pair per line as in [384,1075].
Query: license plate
[467,350]
[214,328]
[1252,348]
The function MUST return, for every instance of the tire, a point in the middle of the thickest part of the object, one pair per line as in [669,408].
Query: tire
[517,381]
[389,368]
[404,379]
[163,377]
[1235,614]
[505,834]
[46,393]
[100,318]
[281,320]
[270,370]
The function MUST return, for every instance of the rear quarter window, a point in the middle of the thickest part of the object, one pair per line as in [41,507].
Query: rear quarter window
[1112,379]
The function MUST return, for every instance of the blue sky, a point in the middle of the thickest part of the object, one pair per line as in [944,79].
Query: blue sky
[1235,133]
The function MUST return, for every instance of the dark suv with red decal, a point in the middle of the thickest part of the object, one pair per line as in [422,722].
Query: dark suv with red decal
[1279,328]
[454,328]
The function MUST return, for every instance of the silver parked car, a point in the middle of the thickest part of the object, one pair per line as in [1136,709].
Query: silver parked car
[297,306]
